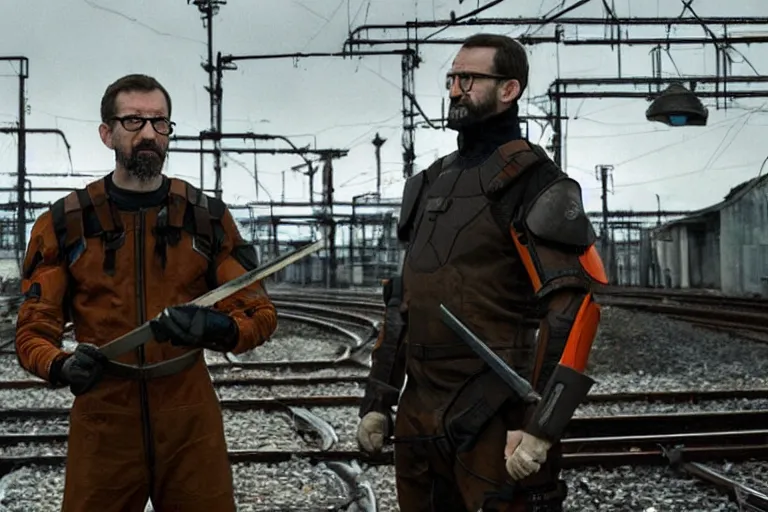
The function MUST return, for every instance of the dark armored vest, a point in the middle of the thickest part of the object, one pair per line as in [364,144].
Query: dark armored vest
[461,255]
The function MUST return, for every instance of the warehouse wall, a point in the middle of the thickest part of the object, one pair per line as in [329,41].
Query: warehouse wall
[744,243]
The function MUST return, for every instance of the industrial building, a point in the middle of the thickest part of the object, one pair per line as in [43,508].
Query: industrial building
[722,247]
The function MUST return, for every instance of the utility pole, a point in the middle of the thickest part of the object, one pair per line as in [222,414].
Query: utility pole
[22,164]
[21,215]
[330,279]
[604,171]
[377,143]
[256,173]
[310,173]
[607,248]
[283,194]
[208,9]
[658,209]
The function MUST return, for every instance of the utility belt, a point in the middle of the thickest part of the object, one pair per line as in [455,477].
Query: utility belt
[524,326]
[154,370]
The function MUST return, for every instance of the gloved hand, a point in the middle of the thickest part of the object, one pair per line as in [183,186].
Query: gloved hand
[82,369]
[524,453]
[196,327]
[371,431]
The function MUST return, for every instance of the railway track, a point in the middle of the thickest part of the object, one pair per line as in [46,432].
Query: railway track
[289,423]
[310,383]
[690,297]
[636,440]
[604,441]
[745,317]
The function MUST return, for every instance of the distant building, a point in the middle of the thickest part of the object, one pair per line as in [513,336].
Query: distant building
[723,247]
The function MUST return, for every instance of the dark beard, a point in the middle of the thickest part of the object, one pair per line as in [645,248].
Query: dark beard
[142,166]
[463,113]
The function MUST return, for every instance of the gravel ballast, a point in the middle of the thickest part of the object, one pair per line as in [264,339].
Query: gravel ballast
[297,485]
[633,352]
[299,341]
[645,352]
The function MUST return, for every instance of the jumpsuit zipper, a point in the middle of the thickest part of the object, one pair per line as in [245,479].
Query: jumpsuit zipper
[148,438]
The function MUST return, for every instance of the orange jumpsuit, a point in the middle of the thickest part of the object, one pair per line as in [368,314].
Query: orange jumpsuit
[110,271]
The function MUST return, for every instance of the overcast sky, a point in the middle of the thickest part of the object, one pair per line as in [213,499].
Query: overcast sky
[76,48]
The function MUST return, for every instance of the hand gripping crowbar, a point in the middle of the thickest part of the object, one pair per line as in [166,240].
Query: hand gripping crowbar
[143,333]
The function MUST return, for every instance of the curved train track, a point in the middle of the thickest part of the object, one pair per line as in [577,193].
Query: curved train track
[591,440]
[745,317]
[348,330]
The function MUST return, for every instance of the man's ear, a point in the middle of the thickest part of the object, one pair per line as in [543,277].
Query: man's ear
[105,132]
[509,91]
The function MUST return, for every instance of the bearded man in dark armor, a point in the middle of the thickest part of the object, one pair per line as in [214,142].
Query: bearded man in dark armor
[497,233]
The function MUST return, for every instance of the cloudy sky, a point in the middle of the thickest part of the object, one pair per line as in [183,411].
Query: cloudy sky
[76,48]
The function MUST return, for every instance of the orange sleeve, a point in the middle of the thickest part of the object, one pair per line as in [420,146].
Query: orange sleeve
[584,329]
[251,307]
[565,282]
[40,322]
[566,333]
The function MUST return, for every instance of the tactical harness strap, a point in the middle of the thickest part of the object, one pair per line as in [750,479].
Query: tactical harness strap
[112,231]
[68,219]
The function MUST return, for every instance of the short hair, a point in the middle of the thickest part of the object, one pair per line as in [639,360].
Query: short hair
[129,83]
[510,59]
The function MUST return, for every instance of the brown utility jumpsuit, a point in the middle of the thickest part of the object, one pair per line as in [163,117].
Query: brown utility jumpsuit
[461,254]
[130,439]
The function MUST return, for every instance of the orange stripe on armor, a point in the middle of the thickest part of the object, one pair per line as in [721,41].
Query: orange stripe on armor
[583,331]
[593,265]
[525,256]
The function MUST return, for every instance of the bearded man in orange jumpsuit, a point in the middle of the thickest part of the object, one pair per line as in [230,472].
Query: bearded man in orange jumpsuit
[131,247]
[497,233]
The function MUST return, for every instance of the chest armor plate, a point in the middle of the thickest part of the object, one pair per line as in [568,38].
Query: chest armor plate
[462,256]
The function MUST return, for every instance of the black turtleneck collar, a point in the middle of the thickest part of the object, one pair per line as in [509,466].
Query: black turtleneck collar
[130,200]
[478,141]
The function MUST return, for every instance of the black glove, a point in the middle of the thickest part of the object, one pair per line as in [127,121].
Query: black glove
[196,327]
[81,370]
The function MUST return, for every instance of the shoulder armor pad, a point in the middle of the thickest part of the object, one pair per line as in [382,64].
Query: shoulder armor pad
[411,194]
[557,215]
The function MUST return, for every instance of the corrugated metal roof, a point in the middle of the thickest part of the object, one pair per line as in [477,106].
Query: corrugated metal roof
[732,197]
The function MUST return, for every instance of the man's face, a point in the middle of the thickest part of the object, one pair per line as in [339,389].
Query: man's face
[472,67]
[142,152]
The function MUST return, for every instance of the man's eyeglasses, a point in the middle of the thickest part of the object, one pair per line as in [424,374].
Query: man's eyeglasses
[161,125]
[467,79]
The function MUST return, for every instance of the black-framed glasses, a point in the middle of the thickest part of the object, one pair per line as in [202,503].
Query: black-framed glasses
[467,79]
[161,125]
